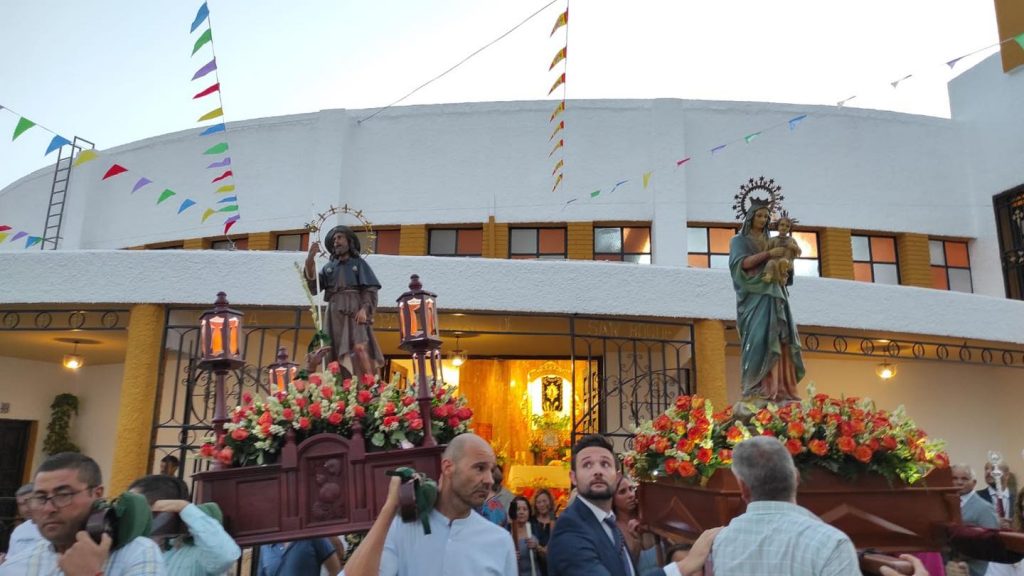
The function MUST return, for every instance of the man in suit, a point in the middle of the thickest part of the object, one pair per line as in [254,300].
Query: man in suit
[586,541]
[973,510]
[1001,499]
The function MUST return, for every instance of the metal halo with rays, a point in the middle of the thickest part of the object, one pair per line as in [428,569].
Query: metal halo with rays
[772,192]
[315,227]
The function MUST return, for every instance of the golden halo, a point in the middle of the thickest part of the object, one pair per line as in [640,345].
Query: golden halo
[316,226]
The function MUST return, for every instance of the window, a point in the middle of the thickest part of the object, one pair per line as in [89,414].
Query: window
[384,241]
[537,243]
[298,242]
[623,244]
[708,247]
[456,242]
[875,259]
[233,244]
[951,265]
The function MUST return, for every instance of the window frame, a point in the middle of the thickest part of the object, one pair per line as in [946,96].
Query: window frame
[945,267]
[622,243]
[538,255]
[871,256]
[458,231]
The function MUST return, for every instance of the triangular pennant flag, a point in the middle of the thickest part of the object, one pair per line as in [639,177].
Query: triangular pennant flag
[201,15]
[4,228]
[558,110]
[226,188]
[227,199]
[217,148]
[142,182]
[215,113]
[226,174]
[683,161]
[23,125]
[19,235]
[208,91]
[560,127]
[557,146]
[647,179]
[953,62]
[56,143]
[558,58]
[221,164]
[85,156]
[213,130]
[567,202]
[617,184]
[896,83]
[32,241]
[842,103]
[3,236]
[751,137]
[206,69]
[558,181]
[595,193]
[718,149]
[796,120]
[165,195]
[188,203]
[560,164]
[206,37]
[209,212]
[229,223]
[563,19]
[1019,39]
[114,171]
[232,208]
[559,82]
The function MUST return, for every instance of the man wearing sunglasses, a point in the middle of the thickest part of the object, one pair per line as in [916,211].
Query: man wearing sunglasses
[66,487]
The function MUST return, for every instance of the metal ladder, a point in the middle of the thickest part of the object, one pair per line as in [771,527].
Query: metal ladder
[59,191]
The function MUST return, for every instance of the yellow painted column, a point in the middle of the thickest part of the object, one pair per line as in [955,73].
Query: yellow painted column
[709,336]
[836,253]
[580,237]
[262,241]
[196,244]
[914,260]
[1010,23]
[138,396]
[495,239]
[412,240]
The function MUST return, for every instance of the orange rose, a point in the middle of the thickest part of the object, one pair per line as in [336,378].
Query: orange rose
[704,455]
[671,465]
[725,455]
[941,460]
[863,453]
[685,445]
[795,429]
[239,434]
[682,403]
[794,446]
[662,423]
[815,415]
[734,434]
[818,447]
[763,416]
[686,469]
[846,444]
[889,442]
[858,426]
[660,445]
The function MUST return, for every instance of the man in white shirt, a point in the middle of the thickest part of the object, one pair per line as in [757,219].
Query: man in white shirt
[26,534]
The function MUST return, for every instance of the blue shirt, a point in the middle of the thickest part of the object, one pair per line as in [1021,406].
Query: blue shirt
[299,558]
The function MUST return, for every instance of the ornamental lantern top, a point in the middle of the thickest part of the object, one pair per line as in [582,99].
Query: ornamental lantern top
[220,341]
[417,318]
[281,373]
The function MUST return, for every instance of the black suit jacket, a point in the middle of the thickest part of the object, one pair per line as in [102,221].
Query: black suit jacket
[579,546]
[987,497]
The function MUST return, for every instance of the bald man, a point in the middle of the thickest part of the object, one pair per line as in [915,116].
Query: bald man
[461,542]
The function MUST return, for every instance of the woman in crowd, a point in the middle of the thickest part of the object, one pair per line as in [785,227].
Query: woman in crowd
[640,545]
[521,525]
[543,524]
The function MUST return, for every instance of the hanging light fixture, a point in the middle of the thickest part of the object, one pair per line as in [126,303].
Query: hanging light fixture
[886,371]
[458,356]
[73,361]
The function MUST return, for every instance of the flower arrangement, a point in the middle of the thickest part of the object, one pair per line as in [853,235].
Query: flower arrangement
[848,436]
[324,402]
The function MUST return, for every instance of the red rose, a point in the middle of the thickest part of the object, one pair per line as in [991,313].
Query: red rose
[684,445]
[280,395]
[367,379]
[833,418]
[454,422]
[863,453]
[334,419]
[816,415]
[236,417]
[407,400]
[889,442]
[660,445]
[795,429]
[464,413]
[846,429]
[208,451]
[364,396]
[246,398]
[327,391]
[389,408]
[316,410]
[346,384]
[301,402]
[300,385]
[315,379]
[265,418]
[359,411]
[682,403]
[390,420]
[941,460]
[768,433]
[704,455]
[858,426]
[239,434]
[339,406]
[288,414]
[734,435]
[818,447]
[725,455]
[265,428]
[226,455]
[662,423]
[671,464]
[334,367]
[686,469]
[304,423]
[846,444]
[820,398]
[416,424]
[794,446]
[763,416]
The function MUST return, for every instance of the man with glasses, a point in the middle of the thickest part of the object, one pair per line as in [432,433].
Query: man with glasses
[26,534]
[66,487]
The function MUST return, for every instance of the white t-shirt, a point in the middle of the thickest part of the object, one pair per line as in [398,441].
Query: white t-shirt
[24,537]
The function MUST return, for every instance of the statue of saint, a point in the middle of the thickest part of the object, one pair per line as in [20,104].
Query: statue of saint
[770,362]
[780,269]
[350,291]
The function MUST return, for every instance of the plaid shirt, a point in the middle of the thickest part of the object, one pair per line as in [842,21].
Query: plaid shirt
[780,538]
[140,557]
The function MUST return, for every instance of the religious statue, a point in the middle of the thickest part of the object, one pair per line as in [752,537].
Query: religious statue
[350,291]
[781,269]
[771,365]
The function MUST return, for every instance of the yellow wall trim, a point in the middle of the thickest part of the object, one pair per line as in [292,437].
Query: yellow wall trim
[196,244]
[262,241]
[836,253]
[914,260]
[412,240]
[580,240]
[709,336]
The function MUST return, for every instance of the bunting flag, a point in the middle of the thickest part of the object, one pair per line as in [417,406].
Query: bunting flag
[843,102]
[717,149]
[201,16]
[3,236]
[206,69]
[140,184]
[558,82]
[213,129]
[1019,39]
[165,195]
[232,208]
[563,19]
[207,213]
[32,241]
[221,164]
[558,110]
[217,149]
[23,125]
[4,228]
[215,113]
[896,83]
[226,188]
[558,58]
[228,199]
[560,164]
[558,181]
[114,171]
[595,193]
[226,174]
[208,91]
[751,137]
[19,235]
[647,179]
[229,223]
[85,156]
[683,161]
[206,37]
[793,122]
[559,128]
[953,62]
[557,146]
[617,184]
[188,203]
[56,143]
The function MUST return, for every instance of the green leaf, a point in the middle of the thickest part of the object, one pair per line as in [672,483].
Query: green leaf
[378,439]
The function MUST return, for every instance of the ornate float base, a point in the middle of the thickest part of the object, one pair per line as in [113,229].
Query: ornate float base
[875,514]
[326,486]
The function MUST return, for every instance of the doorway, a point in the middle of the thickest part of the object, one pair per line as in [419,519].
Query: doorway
[14,455]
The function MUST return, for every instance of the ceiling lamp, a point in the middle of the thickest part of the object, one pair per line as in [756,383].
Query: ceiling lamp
[458,356]
[886,371]
[73,361]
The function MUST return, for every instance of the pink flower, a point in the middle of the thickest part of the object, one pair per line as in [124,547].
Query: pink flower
[407,400]
[288,414]
[367,379]
[315,380]
[359,411]
[240,434]
[346,384]
[304,423]
[300,385]
[246,398]
[464,413]
[389,408]
[226,455]
[316,410]
[416,424]
[334,367]
[364,396]
[208,451]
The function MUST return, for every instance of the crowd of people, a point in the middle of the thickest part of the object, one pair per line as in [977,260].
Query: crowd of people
[477,526]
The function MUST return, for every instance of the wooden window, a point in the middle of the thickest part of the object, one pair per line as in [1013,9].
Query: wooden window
[537,243]
[623,244]
[298,242]
[951,265]
[383,241]
[232,244]
[456,242]
[875,259]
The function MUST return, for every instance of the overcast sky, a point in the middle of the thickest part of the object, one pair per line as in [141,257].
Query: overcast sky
[116,71]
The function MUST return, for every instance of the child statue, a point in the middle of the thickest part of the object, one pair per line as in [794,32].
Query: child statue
[780,269]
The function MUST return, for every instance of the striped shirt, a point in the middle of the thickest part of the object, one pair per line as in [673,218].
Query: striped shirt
[780,538]
[140,557]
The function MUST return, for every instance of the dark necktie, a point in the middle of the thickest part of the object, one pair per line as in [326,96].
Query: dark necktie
[1000,509]
[620,545]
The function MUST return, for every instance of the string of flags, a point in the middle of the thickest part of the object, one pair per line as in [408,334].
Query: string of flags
[224,180]
[558,146]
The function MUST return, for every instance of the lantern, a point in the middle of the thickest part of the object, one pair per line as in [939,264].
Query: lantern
[220,330]
[417,318]
[281,373]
